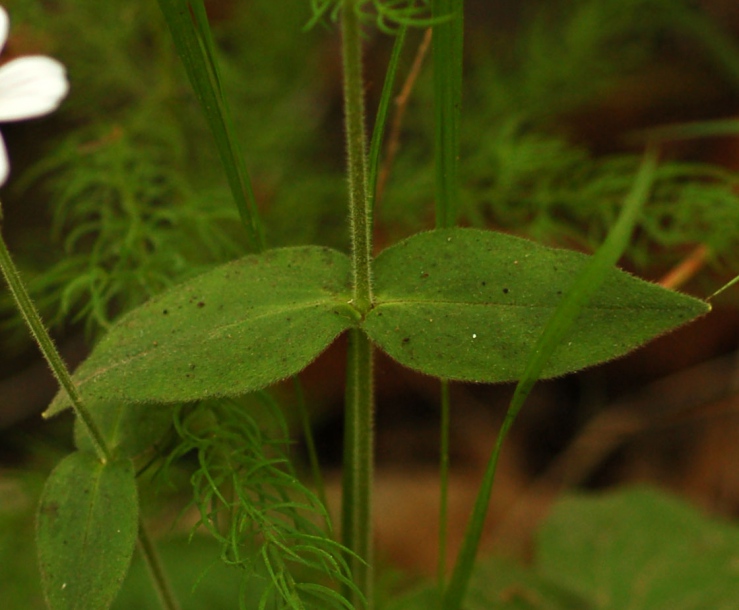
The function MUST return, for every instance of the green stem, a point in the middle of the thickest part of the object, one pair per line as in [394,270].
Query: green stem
[354,118]
[444,485]
[447,55]
[156,571]
[48,349]
[356,523]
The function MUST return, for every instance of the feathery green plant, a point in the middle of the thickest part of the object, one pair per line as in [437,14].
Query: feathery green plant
[251,501]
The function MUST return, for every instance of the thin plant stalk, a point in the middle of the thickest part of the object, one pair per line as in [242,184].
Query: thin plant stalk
[443,485]
[358,427]
[49,350]
[59,369]
[356,524]
[356,143]
[154,566]
[447,57]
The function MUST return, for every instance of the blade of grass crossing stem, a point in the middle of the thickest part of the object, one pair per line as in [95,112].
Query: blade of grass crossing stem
[447,56]
[188,24]
[379,129]
[583,288]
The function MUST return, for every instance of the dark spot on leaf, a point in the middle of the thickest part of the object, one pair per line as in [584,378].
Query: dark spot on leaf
[484,283]
[165,312]
[406,340]
[51,509]
[505,290]
[201,304]
[424,275]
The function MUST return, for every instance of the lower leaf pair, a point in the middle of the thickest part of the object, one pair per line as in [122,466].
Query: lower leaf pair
[456,303]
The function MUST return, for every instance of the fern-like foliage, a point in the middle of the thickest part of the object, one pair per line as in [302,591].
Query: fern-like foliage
[267,522]
[387,15]
[519,169]
[128,225]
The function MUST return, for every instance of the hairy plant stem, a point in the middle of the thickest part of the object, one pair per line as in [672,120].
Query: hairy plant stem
[59,369]
[49,351]
[354,121]
[356,518]
[356,523]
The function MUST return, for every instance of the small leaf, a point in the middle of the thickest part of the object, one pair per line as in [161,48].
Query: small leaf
[233,330]
[469,305]
[87,525]
[640,549]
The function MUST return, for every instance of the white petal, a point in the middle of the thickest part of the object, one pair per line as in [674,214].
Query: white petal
[31,87]
[4,25]
[4,165]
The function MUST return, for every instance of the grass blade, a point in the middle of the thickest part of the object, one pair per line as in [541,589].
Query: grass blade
[564,317]
[191,33]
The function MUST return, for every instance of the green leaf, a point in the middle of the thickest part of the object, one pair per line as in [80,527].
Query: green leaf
[640,549]
[469,305]
[87,525]
[233,330]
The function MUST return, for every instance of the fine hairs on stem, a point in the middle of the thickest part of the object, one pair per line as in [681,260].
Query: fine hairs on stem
[359,403]
[52,356]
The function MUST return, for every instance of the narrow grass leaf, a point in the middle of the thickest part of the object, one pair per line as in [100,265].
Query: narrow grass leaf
[592,281]
[233,330]
[378,130]
[87,525]
[192,37]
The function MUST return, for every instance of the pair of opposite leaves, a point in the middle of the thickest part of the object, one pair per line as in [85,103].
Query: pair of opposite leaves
[461,304]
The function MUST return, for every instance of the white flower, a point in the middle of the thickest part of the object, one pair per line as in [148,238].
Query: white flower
[29,87]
